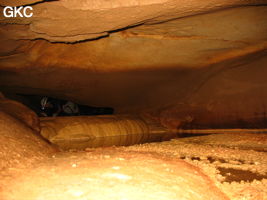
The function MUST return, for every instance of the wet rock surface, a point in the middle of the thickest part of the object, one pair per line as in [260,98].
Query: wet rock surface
[233,161]
[190,64]
[101,131]
[203,167]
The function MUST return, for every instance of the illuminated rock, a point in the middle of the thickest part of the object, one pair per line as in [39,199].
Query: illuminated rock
[81,132]
[55,21]
[20,147]
[201,71]
[20,112]
[114,174]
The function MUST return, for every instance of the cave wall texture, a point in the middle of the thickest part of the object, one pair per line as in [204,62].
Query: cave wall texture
[186,63]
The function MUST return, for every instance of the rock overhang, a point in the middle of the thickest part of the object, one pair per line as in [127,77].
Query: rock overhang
[143,60]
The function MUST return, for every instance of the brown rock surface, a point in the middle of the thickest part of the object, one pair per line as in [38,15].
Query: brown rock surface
[18,2]
[20,147]
[20,112]
[71,21]
[149,171]
[113,174]
[191,64]
[80,132]
[237,163]
[199,70]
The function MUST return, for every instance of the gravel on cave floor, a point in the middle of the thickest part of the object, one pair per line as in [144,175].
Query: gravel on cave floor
[236,164]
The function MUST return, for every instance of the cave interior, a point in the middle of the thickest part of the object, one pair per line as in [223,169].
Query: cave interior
[127,100]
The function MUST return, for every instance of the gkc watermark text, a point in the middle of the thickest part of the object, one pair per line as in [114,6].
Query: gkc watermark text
[22,11]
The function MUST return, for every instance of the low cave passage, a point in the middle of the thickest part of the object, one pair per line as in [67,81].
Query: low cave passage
[45,106]
[72,157]
[105,147]
[134,100]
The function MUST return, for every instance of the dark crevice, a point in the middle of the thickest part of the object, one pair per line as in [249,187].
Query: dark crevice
[58,107]
[239,175]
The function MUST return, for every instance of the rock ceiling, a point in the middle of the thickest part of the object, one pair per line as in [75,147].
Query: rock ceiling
[160,55]
[70,21]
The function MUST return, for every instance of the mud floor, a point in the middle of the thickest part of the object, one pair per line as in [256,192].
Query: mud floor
[224,166]
[236,163]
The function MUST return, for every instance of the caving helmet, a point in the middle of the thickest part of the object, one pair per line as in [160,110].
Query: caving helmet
[70,108]
[44,102]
